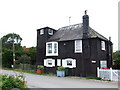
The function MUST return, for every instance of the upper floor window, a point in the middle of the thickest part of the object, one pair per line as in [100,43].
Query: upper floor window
[50,32]
[49,45]
[102,45]
[78,46]
[52,49]
[41,31]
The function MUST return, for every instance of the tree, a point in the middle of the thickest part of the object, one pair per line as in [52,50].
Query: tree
[32,54]
[7,41]
[7,58]
[116,58]
[7,48]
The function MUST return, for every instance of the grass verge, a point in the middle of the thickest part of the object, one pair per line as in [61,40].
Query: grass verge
[29,71]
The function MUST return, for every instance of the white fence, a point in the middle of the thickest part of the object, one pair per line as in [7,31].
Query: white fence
[108,74]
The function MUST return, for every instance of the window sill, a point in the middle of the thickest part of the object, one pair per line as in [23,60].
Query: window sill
[51,54]
[78,51]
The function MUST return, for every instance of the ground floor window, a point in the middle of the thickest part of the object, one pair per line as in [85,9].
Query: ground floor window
[103,63]
[69,63]
[49,62]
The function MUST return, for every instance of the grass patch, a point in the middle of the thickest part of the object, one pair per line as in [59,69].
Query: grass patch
[30,71]
[96,78]
[48,74]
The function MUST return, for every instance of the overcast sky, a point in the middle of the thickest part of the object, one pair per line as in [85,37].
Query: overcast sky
[24,17]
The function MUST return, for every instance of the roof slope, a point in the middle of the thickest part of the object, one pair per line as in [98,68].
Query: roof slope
[74,32]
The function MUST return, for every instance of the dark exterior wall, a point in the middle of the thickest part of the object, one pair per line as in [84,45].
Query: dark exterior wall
[66,50]
[93,52]
[41,45]
[84,66]
[105,54]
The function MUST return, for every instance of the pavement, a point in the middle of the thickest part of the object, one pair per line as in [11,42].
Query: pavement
[40,81]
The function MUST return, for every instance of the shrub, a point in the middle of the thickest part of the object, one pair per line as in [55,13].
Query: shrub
[40,67]
[61,68]
[9,82]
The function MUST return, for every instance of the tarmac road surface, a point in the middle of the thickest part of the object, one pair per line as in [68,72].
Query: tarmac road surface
[39,81]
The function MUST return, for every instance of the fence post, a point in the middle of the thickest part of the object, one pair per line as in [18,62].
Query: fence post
[111,75]
[98,74]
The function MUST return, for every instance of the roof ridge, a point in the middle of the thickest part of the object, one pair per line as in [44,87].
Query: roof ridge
[70,26]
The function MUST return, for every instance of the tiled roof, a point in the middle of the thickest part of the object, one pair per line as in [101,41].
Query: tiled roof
[74,32]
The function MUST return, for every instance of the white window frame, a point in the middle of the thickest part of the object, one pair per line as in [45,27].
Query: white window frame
[46,61]
[41,31]
[50,31]
[102,45]
[53,53]
[80,46]
[64,63]
[103,63]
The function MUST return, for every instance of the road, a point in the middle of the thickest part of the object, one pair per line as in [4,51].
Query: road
[39,81]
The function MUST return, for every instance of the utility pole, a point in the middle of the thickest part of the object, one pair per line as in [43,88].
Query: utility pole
[69,20]
[13,53]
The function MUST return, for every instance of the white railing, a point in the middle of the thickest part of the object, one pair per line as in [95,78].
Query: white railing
[108,74]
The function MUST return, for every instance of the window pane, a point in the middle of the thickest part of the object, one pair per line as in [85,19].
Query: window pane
[49,62]
[50,48]
[69,62]
[103,64]
[50,32]
[55,48]
[103,45]
[78,45]
[41,31]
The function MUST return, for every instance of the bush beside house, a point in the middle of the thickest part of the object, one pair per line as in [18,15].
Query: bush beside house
[9,82]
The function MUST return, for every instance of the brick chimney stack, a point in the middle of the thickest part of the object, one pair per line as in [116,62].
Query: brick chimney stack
[85,25]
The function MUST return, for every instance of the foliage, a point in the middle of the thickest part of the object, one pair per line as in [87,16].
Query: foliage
[32,54]
[7,48]
[61,68]
[9,82]
[21,56]
[40,67]
[7,58]
[24,59]
[7,41]
[116,58]
[97,78]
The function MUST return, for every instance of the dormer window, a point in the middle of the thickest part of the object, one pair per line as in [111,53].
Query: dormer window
[102,45]
[52,49]
[41,31]
[50,32]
